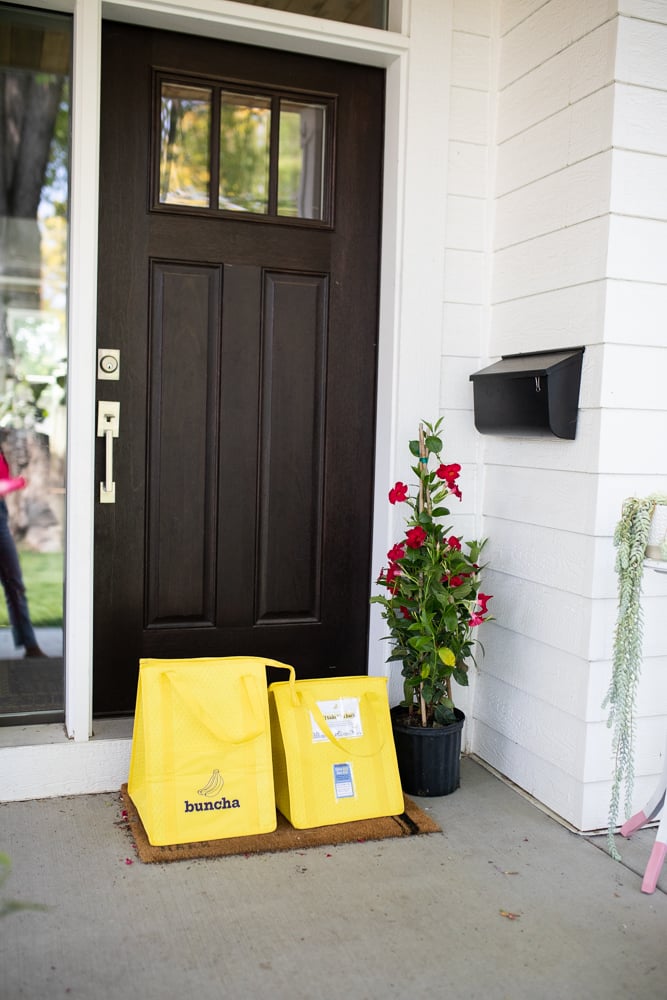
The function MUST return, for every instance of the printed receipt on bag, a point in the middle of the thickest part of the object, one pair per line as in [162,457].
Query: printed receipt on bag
[343,718]
[343,783]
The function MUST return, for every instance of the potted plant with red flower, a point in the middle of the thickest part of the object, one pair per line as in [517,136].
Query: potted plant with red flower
[433,604]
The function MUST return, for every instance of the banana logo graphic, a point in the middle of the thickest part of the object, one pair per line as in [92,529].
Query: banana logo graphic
[213,786]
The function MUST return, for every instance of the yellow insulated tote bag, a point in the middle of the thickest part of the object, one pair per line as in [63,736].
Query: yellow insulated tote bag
[200,767]
[334,758]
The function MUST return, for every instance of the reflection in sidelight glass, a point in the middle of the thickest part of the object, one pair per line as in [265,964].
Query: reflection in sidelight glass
[185,145]
[301,160]
[34,138]
[245,137]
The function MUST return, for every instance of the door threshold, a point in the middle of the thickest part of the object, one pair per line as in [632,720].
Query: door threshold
[45,733]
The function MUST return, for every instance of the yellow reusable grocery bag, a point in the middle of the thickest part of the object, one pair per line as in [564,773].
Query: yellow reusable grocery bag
[334,758]
[200,767]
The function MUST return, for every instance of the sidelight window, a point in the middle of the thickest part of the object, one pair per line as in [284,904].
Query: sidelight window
[34,211]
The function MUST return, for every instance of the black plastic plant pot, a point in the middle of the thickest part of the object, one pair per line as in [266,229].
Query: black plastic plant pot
[429,760]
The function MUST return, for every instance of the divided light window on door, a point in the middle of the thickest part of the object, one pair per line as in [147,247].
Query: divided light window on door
[34,138]
[224,150]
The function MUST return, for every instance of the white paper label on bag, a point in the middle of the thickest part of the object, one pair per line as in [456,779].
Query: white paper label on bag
[343,718]
[343,783]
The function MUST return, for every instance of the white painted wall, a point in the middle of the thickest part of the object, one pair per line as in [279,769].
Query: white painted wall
[577,140]
[466,314]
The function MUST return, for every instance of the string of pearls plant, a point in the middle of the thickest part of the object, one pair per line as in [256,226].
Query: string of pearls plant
[630,538]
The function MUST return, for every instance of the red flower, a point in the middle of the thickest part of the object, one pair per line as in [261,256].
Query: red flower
[396,553]
[450,473]
[398,493]
[404,611]
[483,601]
[455,581]
[475,619]
[393,571]
[454,543]
[415,537]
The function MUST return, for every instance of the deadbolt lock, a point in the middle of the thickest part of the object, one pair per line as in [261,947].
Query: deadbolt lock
[108,363]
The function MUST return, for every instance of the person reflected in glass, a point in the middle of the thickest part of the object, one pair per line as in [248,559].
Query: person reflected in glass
[10,570]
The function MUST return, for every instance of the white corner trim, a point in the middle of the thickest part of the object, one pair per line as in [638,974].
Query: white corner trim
[82,324]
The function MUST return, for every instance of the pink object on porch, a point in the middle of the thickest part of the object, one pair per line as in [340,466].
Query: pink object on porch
[649,812]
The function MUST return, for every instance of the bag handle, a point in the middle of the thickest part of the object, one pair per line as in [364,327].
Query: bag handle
[253,699]
[302,699]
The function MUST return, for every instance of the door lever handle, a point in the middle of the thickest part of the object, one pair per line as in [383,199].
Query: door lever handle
[108,425]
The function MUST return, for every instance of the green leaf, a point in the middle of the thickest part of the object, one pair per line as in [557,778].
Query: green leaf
[451,619]
[434,444]
[414,448]
[461,677]
[444,714]
[447,656]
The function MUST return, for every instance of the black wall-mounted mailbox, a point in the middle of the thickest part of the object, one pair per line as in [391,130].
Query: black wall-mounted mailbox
[529,394]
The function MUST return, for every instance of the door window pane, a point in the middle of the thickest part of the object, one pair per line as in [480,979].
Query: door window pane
[371,13]
[301,160]
[185,145]
[245,140]
[34,139]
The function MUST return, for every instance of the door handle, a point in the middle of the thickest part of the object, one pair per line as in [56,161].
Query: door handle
[108,421]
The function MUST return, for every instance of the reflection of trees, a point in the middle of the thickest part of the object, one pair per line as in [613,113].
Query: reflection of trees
[185,140]
[34,127]
[244,157]
[29,106]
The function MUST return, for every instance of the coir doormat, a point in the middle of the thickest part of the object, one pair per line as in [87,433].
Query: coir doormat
[412,822]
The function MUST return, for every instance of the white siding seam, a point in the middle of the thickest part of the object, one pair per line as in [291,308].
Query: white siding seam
[558,288]
[559,52]
[637,149]
[472,34]
[465,88]
[559,111]
[523,20]
[551,589]
[534,697]
[538,524]
[618,279]
[564,650]
[644,218]
[471,197]
[637,17]
[559,170]
[559,229]
[650,88]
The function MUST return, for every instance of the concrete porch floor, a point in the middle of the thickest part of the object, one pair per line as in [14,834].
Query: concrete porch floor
[411,918]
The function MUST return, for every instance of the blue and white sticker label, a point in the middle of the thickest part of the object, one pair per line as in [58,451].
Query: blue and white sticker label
[342,716]
[343,783]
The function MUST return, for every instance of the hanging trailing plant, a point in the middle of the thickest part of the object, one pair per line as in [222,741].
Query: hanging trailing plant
[630,538]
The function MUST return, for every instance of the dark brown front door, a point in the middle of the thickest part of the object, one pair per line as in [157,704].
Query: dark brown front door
[243,467]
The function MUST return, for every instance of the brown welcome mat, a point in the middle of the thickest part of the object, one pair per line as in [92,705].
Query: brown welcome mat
[412,822]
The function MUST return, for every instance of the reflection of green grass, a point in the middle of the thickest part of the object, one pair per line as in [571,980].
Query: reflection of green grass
[43,578]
